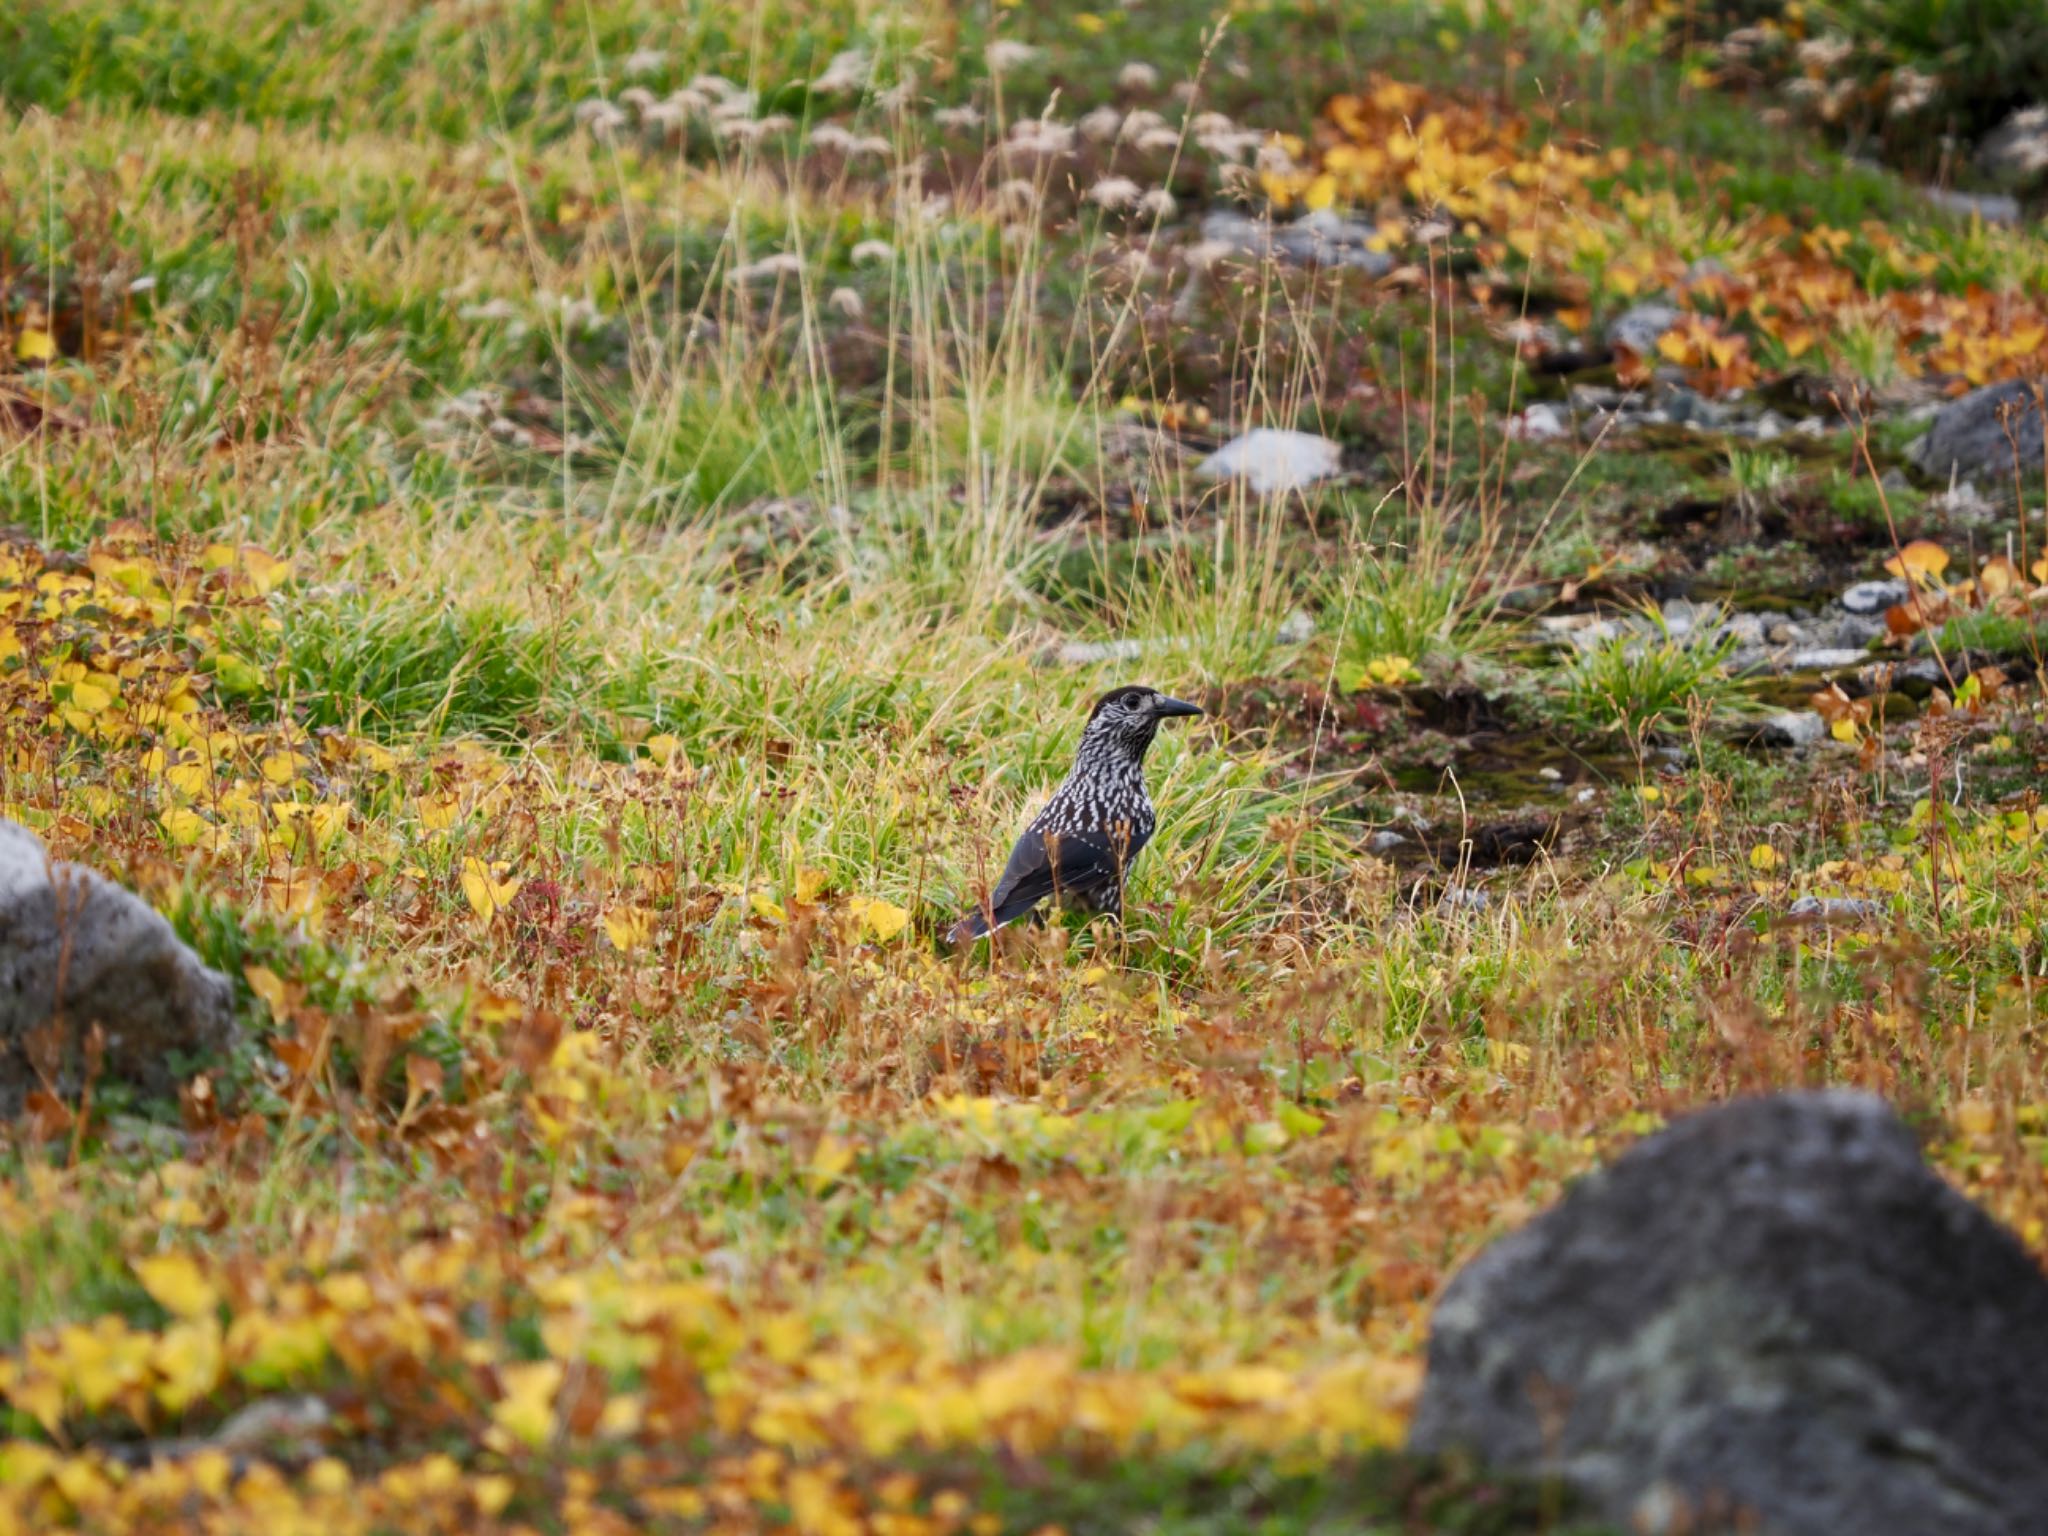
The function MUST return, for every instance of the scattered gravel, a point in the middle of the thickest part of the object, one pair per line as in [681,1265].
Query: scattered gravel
[1792,728]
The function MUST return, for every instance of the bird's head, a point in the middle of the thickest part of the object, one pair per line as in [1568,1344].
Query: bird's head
[1128,717]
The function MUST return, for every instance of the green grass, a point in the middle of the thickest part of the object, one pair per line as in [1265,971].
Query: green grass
[1645,683]
[1422,610]
[384,664]
[1191,1498]
[62,1269]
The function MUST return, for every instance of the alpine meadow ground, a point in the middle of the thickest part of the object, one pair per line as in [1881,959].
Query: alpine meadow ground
[561,544]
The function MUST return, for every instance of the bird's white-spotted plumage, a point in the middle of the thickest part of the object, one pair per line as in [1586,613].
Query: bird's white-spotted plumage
[1106,789]
[1078,849]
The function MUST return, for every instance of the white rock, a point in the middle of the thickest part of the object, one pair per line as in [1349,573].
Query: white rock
[1271,460]
[1538,423]
[1868,597]
[1793,728]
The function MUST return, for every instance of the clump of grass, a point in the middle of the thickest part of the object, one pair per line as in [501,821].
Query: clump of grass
[1990,632]
[1417,609]
[1867,346]
[1760,478]
[1859,499]
[1638,684]
[390,664]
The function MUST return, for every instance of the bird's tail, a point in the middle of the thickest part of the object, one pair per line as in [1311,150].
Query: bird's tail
[983,921]
[968,929]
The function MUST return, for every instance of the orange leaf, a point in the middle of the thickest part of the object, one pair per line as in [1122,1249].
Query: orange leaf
[1921,559]
[1903,619]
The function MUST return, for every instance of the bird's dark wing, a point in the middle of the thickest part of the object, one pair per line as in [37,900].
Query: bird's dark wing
[1083,869]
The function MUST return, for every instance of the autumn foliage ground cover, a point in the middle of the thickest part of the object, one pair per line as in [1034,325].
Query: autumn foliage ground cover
[544,540]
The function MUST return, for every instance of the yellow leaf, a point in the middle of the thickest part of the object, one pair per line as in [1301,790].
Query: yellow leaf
[628,927]
[810,884]
[1844,729]
[1976,1118]
[1321,192]
[1674,347]
[492,1492]
[183,825]
[10,643]
[174,1283]
[1921,558]
[92,697]
[279,767]
[1236,1385]
[1764,856]
[664,749]
[829,1160]
[767,906]
[34,346]
[438,814]
[622,1415]
[527,1410]
[487,894]
[42,1398]
[331,1477]
[266,984]
[1503,1054]
[270,1351]
[265,570]
[879,920]
[328,819]
[188,1359]
[1296,1121]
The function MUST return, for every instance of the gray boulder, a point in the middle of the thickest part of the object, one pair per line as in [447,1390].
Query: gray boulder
[2015,153]
[1640,327]
[1773,1317]
[119,965]
[1967,439]
[1319,239]
[1271,460]
[1326,239]
[1991,207]
[1835,909]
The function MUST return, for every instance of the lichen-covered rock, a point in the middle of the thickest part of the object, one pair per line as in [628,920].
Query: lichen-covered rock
[1771,1312]
[2015,153]
[1968,441]
[76,948]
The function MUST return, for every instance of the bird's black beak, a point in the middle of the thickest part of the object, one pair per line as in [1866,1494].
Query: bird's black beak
[1167,708]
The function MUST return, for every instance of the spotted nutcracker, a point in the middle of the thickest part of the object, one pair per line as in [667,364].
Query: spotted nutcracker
[1079,847]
